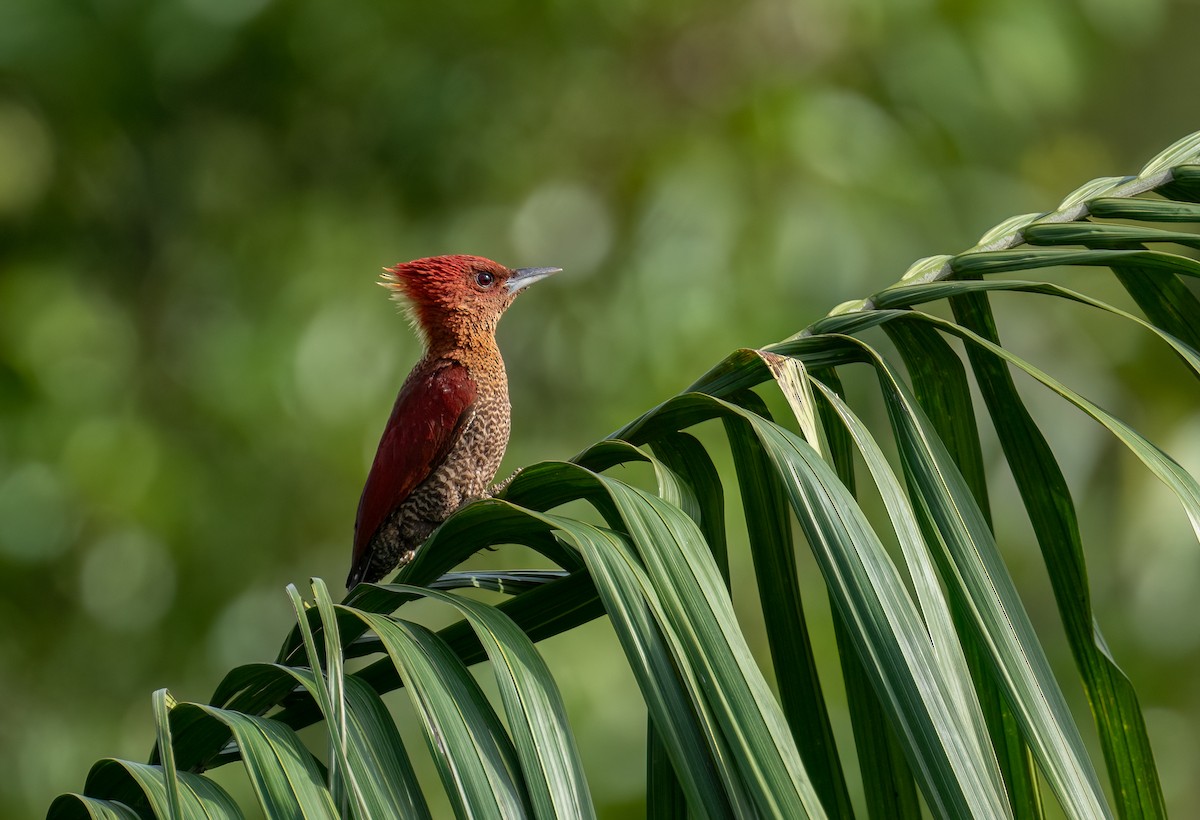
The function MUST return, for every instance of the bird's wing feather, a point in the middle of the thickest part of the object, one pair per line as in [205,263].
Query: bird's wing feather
[426,421]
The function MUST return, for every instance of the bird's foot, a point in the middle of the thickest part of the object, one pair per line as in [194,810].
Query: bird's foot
[503,485]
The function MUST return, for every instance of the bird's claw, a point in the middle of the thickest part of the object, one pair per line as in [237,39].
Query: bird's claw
[503,485]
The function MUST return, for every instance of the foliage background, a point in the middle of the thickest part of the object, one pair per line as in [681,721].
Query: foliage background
[195,197]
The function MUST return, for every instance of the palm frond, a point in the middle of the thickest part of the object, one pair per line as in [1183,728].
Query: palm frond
[950,691]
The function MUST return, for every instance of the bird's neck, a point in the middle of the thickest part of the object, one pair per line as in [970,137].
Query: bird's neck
[478,351]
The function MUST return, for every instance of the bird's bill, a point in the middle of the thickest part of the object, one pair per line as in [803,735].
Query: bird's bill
[524,277]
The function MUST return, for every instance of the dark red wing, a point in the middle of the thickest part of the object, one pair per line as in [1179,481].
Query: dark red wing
[425,423]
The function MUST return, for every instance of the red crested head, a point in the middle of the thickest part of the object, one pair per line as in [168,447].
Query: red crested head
[458,296]
[444,280]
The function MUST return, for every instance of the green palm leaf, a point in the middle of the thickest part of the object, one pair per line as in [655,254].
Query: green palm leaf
[948,687]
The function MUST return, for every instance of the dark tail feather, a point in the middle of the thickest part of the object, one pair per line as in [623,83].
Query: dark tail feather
[357,572]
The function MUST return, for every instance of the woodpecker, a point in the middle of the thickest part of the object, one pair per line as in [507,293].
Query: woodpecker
[449,426]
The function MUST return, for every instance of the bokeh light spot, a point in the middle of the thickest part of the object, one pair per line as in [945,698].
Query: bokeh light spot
[1131,22]
[344,359]
[112,461]
[844,137]
[226,12]
[127,581]
[1176,750]
[252,621]
[1026,60]
[562,224]
[79,346]
[26,158]
[1164,590]
[35,523]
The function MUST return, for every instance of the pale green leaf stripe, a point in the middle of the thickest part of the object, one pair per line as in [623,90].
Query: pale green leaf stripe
[969,264]
[377,748]
[141,784]
[1003,624]
[284,775]
[947,649]
[506,582]
[1181,151]
[686,457]
[1044,491]
[215,802]
[866,587]
[72,806]
[671,692]
[536,714]
[338,736]
[389,786]
[939,383]
[251,688]
[1103,185]
[473,754]
[891,638]
[203,799]
[163,702]
[1148,210]
[769,529]
[888,785]
[1182,483]
[751,742]
[375,751]
[343,786]
[666,795]
[731,728]
[919,294]
[1095,233]
[695,599]
[673,489]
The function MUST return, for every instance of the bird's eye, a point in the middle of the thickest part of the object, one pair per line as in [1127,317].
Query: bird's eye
[485,279]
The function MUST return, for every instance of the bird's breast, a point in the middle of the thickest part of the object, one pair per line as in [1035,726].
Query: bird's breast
[477,454]
[471,464]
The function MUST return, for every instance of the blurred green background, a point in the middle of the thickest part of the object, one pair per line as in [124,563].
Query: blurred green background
[196,197]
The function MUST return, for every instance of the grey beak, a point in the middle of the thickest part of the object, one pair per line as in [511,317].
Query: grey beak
[524,277]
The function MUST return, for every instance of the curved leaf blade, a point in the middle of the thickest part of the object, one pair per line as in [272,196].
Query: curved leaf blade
[473,753]
[282,771]
[536,714]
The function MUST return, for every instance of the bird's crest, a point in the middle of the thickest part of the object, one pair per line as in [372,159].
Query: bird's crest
[430,288]
[392,280]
